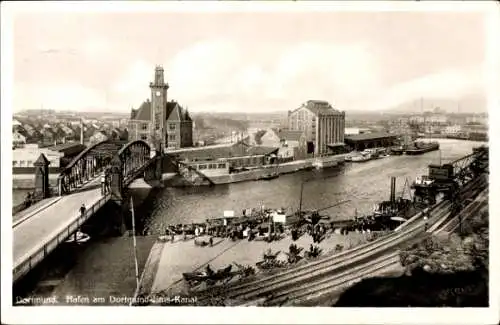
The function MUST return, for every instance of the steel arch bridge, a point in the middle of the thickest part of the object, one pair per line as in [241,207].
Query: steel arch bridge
[131,158]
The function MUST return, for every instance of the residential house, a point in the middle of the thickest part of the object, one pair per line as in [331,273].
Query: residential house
[18,139]
[48,136]
[117,134]
[270,138]
[292,144]
[97,137]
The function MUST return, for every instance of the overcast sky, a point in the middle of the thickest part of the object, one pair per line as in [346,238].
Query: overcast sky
[242,61]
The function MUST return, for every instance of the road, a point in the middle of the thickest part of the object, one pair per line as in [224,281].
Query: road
[44,225]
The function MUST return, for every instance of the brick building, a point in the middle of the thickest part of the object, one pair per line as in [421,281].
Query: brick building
[159,121]
[322,125]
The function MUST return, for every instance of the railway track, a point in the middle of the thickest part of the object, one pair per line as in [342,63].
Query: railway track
[302,281]
[308,292]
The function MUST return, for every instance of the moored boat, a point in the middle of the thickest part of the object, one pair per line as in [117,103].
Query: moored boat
[397,150]
[362,157]
[422,147]
[269,177]
[78,238]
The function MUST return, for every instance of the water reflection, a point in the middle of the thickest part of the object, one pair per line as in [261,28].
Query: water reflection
[364,184]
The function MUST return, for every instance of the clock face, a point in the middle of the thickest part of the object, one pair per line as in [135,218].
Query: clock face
[158,94]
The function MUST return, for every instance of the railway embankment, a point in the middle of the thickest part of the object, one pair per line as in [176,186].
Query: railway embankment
[448,270]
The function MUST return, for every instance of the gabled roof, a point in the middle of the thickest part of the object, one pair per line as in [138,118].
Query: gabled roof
[319,107]
[69,147]
[290,135]
[143,113]
[20,134]
[175,112]
[47,133]
[236,150]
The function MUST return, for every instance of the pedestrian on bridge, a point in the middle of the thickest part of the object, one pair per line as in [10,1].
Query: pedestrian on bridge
[82,209]
[103,184]
[425,225]
[107,180]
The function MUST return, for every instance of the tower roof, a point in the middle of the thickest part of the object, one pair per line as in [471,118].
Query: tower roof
[42,161]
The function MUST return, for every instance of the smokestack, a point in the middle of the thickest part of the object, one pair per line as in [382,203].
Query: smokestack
[393,189]
[81,131]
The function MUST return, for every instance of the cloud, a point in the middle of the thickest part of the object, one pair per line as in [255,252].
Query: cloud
[217,73]
[204,69]
[326,71]
[449,83]
[135,80]
[58,97]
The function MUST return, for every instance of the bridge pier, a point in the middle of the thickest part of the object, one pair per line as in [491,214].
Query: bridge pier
[42,177]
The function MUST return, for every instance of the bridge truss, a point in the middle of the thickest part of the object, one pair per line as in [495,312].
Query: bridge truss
[93,161]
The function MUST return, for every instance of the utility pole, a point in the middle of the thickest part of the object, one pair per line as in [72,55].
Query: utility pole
[300,202]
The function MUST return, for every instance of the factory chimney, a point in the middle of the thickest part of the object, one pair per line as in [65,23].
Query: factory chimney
[393,189]
[81,130]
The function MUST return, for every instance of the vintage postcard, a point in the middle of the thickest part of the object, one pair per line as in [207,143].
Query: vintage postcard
[166,156]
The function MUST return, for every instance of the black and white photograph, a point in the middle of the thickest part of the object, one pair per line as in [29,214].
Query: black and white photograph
[246,154]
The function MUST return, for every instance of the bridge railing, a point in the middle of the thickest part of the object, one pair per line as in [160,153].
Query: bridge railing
[26,264]
[86,166]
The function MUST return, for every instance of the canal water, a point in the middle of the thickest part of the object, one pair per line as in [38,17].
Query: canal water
[364,184]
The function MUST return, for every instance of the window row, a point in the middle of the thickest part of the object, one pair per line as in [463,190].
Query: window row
[29,163]
[210,166]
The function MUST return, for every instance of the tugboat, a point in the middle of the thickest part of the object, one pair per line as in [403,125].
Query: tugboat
[422,147]
[398,151]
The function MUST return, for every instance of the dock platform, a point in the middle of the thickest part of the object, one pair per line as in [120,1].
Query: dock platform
[167,261]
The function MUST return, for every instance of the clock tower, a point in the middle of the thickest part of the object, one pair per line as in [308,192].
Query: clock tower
[159,109]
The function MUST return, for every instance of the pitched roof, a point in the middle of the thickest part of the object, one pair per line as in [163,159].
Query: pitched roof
[69,147]
[175,112]
[290,135]
[236,150]
[368,136]
[143,113]
[319,107]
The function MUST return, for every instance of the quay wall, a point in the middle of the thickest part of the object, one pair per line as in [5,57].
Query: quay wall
[255,174]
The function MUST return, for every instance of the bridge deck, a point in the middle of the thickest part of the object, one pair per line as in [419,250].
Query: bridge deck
[41,227]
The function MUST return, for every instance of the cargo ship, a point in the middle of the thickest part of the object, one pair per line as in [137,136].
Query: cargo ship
[419,148]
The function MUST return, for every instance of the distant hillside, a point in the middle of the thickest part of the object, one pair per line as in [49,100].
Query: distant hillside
[244,116]
[219,124]
[468,104]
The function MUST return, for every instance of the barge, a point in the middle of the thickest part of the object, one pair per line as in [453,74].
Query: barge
[422,147]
